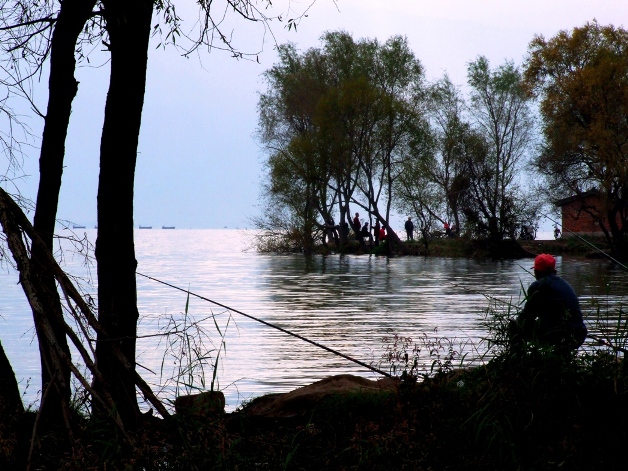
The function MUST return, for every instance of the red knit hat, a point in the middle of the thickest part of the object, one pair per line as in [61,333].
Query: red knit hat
[544,263]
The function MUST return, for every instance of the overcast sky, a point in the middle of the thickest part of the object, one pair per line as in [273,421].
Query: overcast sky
[199,165]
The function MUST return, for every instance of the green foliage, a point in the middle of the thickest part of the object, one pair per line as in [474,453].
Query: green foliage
[434,183]
[337,122]
[353,123]
[502,135]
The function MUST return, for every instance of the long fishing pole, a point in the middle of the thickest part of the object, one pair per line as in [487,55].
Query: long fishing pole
[588,243]
[281,329]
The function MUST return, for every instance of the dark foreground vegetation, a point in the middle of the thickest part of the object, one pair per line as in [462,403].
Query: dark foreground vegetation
[520,410]
[530,410]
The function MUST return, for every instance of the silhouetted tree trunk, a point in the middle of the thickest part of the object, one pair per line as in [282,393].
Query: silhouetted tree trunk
[10,400]
[62,86]
[128,24]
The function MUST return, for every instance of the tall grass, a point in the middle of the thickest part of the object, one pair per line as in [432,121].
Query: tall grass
[192,352]
[403,357]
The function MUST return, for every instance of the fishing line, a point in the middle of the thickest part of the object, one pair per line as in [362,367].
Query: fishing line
[281,329]
[335,352]
[487,296]
[624,267]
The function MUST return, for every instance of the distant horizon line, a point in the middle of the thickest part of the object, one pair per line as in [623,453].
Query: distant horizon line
[148,227]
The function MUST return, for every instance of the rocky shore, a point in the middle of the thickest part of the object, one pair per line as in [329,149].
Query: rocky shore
[532,412]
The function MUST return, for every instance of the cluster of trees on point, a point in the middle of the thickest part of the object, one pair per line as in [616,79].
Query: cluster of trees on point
[353,126]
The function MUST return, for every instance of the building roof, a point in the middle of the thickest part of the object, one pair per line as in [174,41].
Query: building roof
[580,196]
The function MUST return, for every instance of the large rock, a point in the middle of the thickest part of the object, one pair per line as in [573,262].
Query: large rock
[205,404]
[295,402]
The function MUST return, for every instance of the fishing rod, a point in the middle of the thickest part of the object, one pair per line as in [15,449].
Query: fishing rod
[624,267]
[281,329]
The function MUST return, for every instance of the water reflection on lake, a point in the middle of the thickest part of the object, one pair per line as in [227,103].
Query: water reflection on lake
[347,303]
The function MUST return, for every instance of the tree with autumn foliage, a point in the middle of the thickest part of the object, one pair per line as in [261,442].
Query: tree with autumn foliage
[581,78]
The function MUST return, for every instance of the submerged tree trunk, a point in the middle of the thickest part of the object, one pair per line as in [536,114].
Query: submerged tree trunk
[62,89]
[128,24]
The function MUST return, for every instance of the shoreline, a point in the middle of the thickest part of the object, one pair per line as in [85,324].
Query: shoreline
[482,249]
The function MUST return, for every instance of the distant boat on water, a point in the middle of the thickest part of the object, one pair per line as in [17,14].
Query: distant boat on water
[78,227]
[167,227]
[146,227]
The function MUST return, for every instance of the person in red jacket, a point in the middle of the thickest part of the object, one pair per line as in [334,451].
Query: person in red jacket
[447,229]
[356,222]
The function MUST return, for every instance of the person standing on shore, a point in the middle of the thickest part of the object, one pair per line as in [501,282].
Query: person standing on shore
[357,226]
[382,234]
[366,233]
[409,229]
[332,233]
[551,314]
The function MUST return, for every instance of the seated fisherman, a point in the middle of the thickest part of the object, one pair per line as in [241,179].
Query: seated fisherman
[551,314]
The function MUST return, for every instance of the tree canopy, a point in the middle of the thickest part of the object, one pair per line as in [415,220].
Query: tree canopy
[341,119]
[355,123]
[501,117]
[581,78]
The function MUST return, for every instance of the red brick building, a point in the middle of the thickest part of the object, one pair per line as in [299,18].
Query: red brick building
[582,214]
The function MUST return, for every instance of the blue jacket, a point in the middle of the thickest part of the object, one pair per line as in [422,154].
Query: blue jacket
[552,307]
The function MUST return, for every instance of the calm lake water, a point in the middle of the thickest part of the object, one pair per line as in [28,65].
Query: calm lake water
[348,303]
